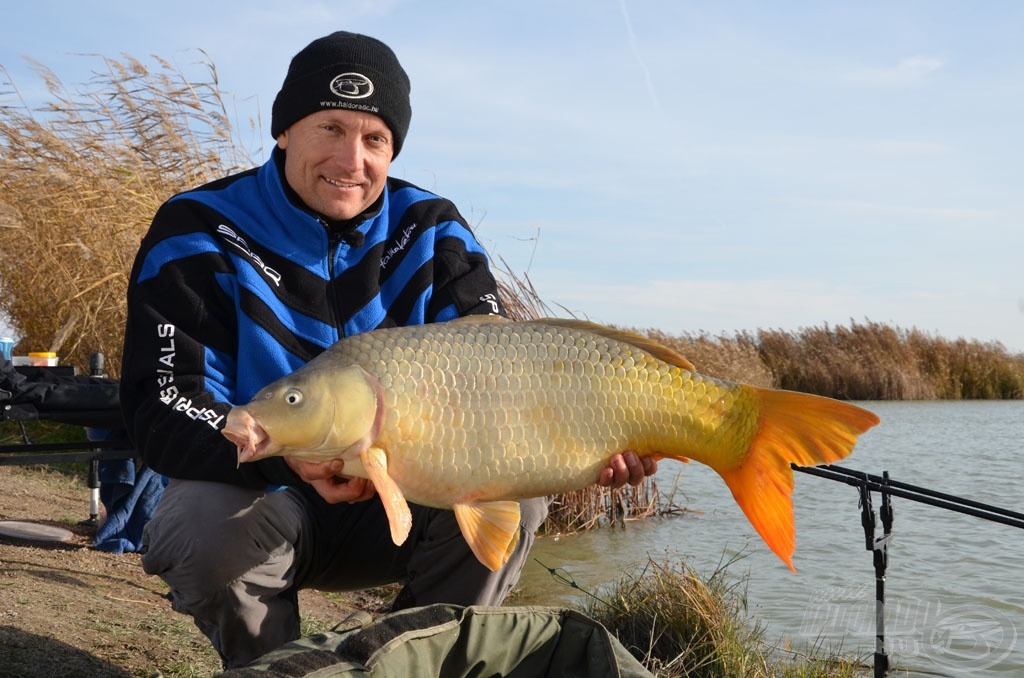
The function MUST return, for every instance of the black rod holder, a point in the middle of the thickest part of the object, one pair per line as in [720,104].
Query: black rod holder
[887,488]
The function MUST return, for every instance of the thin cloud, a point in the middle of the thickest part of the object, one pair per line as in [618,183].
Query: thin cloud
[634,46]
[908,71]
[953,213]
[904,148]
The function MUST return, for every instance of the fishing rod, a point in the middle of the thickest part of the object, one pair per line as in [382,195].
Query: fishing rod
[867,483]
[923,495]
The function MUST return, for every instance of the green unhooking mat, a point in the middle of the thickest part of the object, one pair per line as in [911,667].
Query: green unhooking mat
[455,642]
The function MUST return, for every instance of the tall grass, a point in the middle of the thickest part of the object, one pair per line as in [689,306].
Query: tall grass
[81,176]
[872,361]
[682,624]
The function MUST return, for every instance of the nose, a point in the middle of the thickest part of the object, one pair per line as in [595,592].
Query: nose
[348,154]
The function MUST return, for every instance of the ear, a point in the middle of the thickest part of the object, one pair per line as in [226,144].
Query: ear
[282,140]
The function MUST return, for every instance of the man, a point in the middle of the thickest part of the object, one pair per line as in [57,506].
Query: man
[242,281]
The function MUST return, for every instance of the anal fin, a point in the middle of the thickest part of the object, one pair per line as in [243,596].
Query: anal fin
[491,529]
[375,462]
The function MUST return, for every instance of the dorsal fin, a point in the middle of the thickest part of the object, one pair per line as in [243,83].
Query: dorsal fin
[656,349]
[479,319]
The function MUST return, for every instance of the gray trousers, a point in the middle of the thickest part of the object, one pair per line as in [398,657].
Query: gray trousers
[235,559]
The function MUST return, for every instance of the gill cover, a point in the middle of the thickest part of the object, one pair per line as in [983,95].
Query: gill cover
[317,414]
[358,410]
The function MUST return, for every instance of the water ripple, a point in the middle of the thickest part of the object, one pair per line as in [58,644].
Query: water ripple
[954,583]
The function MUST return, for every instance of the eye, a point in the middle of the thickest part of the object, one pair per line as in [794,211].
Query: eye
[293,396]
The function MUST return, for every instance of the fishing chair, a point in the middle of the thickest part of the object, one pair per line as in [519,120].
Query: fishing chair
[59,394]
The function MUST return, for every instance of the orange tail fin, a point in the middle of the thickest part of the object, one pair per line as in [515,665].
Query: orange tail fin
[795,428]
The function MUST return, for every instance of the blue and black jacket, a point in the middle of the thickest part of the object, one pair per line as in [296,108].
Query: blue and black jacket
[237,284]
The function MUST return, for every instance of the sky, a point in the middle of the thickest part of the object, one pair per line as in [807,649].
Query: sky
[697,167]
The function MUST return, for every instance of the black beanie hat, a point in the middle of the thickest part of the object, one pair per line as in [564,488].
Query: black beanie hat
[345,70]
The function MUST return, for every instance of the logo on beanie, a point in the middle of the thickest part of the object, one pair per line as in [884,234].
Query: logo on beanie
[352,86]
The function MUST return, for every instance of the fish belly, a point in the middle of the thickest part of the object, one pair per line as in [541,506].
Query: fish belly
[495,410]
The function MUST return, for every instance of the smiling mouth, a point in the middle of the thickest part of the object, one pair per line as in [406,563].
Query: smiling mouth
[341,184]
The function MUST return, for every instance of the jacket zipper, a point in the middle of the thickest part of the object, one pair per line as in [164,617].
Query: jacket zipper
[334,241]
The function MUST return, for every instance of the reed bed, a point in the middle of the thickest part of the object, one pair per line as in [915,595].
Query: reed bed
[596,506]
[873,361]
[81,176]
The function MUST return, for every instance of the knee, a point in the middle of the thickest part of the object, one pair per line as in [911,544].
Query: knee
[202,552]
[216,543]
[533,513]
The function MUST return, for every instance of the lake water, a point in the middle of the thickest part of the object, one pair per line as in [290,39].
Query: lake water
[954,584]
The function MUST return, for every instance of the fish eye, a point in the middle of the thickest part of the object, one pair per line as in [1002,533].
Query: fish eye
[293,396]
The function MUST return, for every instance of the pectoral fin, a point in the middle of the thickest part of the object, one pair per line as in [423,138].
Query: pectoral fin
[375,461]
[491,529]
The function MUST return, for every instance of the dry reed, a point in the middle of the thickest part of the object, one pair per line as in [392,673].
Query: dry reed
[80,179]
[872,361]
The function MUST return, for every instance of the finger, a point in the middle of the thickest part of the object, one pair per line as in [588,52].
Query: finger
[359,489]
[336,490]
[368,491]
[334,467]
[316,470]
[350,489]
[613,474]
[634,468]
[650,465]
[616,472]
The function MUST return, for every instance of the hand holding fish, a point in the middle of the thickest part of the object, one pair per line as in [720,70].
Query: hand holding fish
[480,412]
[327,479]
[625,468]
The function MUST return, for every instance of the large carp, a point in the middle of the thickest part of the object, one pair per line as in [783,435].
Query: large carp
[476,413]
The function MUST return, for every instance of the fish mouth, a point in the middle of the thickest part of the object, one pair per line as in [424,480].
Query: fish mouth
[245,432]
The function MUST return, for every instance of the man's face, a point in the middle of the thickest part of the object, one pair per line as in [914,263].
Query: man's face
[337,160]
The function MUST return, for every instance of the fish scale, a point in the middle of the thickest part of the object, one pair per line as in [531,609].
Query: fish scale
[475,413]
[575,396]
